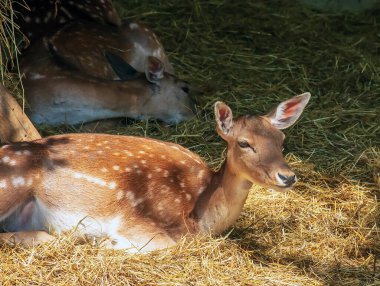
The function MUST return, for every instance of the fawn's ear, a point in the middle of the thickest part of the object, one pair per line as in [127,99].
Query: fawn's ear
[121,68]
[223,118]
[154,69]
[287,112]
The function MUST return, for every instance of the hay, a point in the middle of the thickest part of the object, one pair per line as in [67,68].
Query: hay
[253,55]
[10,41]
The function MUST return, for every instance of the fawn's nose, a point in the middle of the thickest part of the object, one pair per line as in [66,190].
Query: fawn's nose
[286,180]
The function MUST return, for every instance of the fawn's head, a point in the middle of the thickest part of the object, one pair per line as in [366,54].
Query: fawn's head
[255,142]
[170,100]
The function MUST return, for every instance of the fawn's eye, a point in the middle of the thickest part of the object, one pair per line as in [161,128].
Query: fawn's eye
[243,144]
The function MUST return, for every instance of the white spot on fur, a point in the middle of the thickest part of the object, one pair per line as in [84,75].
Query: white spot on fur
[177,200]
[141,152]
[127,169]
[18,181]
[130,154]
[5,159]
[36,76]
[201,189]
[104,170]
[112,185]
[119,195]
[90,179]
[166,173]
[116,168]
[188,197]
[200,174]
[12,163]
[143,162]
[3,184]
[160,207]
[158,169]
[132,199]
[133,26]
[149,176]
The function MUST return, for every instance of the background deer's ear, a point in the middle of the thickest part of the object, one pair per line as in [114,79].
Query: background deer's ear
[121,68]
[223,118]
[154,69]
[289,111]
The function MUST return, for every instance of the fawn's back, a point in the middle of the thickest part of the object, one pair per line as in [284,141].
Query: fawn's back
[118,177]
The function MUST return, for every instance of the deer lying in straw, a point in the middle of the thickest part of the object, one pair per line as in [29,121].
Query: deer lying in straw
[142,193]
[59,92]
[87,71]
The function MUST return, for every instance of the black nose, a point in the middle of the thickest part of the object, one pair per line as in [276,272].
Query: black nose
[287,180]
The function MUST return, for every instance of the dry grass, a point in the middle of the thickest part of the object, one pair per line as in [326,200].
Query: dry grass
[252,55]
[10,41]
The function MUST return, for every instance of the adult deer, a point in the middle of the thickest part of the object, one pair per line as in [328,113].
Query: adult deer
[59,93]
[142,193]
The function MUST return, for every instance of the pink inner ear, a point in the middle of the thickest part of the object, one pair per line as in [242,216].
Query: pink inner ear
[291,107]
[223,114]
[154,65]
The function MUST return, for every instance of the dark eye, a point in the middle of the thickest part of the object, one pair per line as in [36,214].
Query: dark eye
[185,89]
[245,144]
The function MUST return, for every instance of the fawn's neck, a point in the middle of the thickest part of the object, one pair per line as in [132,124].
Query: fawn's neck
[221,203]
